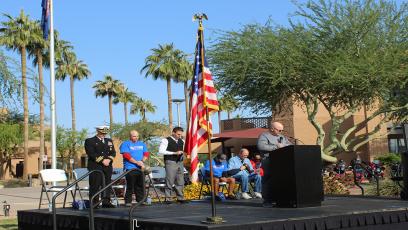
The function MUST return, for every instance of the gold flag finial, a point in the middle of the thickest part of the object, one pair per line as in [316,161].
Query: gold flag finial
[200,17]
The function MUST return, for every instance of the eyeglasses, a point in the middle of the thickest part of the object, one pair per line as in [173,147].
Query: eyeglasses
[278,130]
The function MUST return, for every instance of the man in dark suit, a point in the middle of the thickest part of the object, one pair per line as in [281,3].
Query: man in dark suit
[101,152]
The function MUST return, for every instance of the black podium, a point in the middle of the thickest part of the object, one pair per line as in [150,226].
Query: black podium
[293,176]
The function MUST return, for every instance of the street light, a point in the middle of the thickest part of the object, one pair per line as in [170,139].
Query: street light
[178,102]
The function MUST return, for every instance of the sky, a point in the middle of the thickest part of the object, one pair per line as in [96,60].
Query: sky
[115,37]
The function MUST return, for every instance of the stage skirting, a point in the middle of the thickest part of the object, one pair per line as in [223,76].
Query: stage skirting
[335,213]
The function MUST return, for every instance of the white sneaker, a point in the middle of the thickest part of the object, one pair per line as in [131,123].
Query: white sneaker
[258,195]
[246,196]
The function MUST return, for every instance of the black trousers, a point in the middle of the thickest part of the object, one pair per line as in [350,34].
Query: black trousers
[134,184]
[95,181]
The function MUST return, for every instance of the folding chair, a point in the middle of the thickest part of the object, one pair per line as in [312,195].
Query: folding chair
[206,181]
[53,175]
[157,179]
[120,186]
[79,172]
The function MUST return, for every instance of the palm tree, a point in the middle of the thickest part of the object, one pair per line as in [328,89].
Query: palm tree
[125,96]
[75,69]
[185,73]
[227,103]
[142,106]
[163,64]
[16,34]
[36,50]
[108,87]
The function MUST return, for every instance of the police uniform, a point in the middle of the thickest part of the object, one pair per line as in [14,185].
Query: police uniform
[97,150]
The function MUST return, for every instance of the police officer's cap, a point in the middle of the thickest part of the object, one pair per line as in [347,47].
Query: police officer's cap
[102,129]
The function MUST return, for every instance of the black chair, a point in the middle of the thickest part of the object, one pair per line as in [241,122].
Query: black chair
[206,181]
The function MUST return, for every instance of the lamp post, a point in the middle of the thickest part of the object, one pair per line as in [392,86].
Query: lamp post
[178,102]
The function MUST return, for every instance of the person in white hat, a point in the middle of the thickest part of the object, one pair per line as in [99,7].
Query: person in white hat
[101,152]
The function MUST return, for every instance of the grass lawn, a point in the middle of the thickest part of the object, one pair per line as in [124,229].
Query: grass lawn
[9,224]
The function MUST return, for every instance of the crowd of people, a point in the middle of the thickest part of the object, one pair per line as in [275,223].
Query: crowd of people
[249,173]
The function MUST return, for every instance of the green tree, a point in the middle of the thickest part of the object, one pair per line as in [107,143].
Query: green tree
[11,127]
[17,34]
[75,70]
[163,63]
[125,96]
[344,56]
[185,74]
[37,49]
[142,106]
[10,141]
[66,138]
[108,87]
[9,84]
[228,104]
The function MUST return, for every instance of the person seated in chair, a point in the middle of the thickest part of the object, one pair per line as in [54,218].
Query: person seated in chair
[220,168]
[257,164]
[241,169]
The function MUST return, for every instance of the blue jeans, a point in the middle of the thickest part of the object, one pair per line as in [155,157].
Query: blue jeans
[244,179]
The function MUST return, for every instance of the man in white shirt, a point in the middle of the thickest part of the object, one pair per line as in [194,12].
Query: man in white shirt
[172,150]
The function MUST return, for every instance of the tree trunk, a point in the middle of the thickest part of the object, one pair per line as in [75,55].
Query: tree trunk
[71,82]
[25,101]
[312,109]
[187,102]
[229,115]
[41,91]
[110,112]
[144,115]
[126,113]
[74,133]
[169,101]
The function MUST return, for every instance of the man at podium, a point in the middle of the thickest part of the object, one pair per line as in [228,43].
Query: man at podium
[272,139]
[267,142]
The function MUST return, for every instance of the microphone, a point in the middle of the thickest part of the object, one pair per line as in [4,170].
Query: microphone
[280,140]
[296,140]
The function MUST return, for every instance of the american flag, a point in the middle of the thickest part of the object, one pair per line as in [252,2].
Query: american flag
[45,18]
[203,95]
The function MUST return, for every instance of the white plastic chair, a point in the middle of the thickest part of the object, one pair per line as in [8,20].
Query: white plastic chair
[48,176]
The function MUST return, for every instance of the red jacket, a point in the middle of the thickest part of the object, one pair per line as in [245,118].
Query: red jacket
[259,170]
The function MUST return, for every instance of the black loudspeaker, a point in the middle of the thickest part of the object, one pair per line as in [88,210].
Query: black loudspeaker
[293,176]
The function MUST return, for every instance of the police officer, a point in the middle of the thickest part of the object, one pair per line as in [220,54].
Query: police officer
[101,152]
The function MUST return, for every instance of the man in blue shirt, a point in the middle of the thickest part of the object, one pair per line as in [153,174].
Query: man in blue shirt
[134,155]
[245,173]
[220,168]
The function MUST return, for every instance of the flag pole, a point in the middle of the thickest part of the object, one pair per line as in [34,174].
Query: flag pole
[214,219]
[52,96]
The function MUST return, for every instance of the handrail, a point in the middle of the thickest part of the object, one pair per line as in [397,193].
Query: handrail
[139,202]
[54,210]
[91,208]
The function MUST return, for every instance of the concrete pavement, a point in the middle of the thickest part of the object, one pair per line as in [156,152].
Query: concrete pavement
[26,198]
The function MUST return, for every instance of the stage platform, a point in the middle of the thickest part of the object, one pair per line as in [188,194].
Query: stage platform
[335,213]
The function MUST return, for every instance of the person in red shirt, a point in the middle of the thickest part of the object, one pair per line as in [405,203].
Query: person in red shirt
[257,164]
